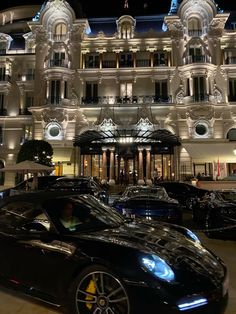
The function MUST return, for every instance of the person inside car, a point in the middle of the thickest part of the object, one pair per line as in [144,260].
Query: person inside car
[67,217]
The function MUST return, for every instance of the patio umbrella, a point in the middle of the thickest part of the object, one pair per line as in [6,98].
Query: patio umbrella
[28,166]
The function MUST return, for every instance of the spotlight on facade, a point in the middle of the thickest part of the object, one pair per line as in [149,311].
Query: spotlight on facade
[234,151]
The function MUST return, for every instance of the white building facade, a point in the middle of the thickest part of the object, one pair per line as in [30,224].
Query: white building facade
[121,96]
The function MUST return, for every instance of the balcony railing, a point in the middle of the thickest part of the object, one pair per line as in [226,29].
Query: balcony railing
[143,62]
[159,63]
[91,65]
[118,100]
[126,64]
[200,98]
[26,77]
[55,101]
[230,60]
[232,97]
[109,64]
[59,37]
[195,33]
[59,63]
[197,59]
[5,78]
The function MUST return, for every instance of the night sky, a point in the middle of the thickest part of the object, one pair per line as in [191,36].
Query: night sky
[96,8]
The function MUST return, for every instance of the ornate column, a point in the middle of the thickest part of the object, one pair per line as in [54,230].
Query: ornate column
[148,165]
[112,160]
[140,165]
[104,164]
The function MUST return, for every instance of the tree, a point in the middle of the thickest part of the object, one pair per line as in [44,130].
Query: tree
[36,150]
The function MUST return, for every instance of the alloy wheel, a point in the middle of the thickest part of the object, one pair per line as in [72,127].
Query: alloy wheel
[100,292]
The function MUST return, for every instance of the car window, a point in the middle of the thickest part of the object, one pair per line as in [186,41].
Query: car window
[19,215]
[87,212]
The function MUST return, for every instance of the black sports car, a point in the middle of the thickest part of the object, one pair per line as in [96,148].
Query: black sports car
[150,203]
[184,192]
[104,263]
[82,185]
[216,215]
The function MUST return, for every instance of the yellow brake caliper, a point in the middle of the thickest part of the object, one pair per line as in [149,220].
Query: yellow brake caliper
[90,289]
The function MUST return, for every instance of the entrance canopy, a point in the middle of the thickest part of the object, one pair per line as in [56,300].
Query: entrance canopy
[118,137]
[206,152]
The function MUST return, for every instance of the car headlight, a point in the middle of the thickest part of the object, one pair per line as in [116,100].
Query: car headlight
[193,236]
[158,267]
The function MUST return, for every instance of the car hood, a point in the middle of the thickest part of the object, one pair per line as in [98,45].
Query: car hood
[170,242]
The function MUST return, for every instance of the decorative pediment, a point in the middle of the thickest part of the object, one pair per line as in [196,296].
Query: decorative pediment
[201,112]
[51,114]
[144,124]
[107,124]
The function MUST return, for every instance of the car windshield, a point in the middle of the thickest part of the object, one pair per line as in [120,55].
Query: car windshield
[159,193]
[228,195]
[88,213]
[70,184]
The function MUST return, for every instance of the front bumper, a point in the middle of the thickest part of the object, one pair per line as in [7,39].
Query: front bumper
[149,300]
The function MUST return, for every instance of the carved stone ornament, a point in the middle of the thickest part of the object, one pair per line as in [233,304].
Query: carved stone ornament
[201,112]
[49,115]
[81,119]
[217,96]
[144,124]
[108,125]
[180,95]
[57,4]
[174,23]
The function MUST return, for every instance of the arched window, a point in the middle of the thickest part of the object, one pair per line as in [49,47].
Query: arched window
[231,136]
[126,30]
[60,32]
[194,27]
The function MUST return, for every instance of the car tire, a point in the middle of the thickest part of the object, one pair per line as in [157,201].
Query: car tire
[98,290]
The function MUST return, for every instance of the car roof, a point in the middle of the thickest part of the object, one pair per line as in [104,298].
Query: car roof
[38,196]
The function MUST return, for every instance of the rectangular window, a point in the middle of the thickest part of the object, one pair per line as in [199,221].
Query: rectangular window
[91,92]
[59,59]
[199,88]
[159,59]
[126,60]
[30,74]
[126,91]
[29,101]
[196,55]
[161,91]
[1,103]
[3,47]
[55,92]
[65,89]
[2,74]
[188,87]
[92,61]
[232,90]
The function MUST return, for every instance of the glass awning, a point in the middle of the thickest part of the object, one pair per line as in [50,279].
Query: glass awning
[127,136]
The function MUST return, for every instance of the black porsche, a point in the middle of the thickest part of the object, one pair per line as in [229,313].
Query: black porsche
[104,263]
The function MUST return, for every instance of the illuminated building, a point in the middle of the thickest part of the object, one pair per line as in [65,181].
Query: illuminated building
[131,93]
